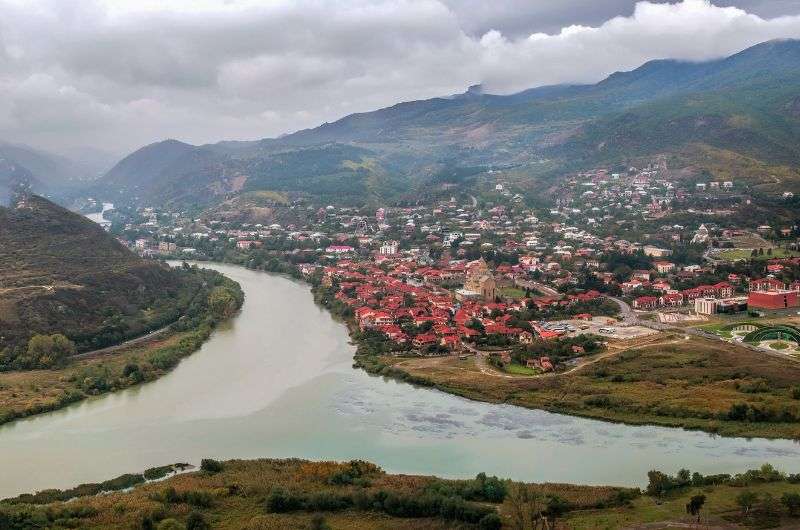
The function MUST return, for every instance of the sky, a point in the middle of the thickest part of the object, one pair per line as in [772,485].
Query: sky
[115,74]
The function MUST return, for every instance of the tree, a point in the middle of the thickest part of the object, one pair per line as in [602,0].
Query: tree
[556,507]
[490,521]
[145,524]
[524,507]
[792,503]
[745,500]
[476,325]
[210,465]
[408,300]
[695,504]
[222,302]
[47,351]
[658,483]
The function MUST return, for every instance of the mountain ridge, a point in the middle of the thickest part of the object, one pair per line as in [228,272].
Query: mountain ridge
[408,142]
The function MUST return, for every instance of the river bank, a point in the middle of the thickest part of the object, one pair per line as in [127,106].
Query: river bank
[110,369]
[632,399]
[294,493]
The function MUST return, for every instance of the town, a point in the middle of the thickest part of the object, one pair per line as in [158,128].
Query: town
[492,274]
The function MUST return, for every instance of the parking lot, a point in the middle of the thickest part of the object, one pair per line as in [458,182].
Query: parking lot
[602,326]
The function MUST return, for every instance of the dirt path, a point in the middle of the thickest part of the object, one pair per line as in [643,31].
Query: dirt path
[486,369]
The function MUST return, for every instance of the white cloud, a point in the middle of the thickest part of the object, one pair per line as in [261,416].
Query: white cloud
[119,74]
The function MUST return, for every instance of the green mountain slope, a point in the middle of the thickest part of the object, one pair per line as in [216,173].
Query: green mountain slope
[747,103]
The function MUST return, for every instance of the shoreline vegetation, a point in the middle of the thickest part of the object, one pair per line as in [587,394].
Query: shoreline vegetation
[293,493]
[25,393]
[694,384]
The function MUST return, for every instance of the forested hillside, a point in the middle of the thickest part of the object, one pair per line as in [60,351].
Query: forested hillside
[61,274]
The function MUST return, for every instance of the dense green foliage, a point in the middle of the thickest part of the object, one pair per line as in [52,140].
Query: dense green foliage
[660,483]
[448,507]
[47,351]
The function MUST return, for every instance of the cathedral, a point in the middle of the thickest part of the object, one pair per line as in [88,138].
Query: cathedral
[479,282]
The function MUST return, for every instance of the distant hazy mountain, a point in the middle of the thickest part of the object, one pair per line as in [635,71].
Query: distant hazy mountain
[13,175]
[45,172]
[95,162]
[746,105]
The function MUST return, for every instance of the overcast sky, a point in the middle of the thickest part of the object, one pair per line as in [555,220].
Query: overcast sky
[119,74]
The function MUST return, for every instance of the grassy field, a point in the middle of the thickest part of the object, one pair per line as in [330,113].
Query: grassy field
[512,292]
[718,329]
[518,369]
[720,508]
[279,494]
[242,496]
[740,254]
[696,383]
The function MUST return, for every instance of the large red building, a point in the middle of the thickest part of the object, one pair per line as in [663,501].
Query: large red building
[777,299]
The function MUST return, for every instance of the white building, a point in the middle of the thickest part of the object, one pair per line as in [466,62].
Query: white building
[701,236]
[389,248]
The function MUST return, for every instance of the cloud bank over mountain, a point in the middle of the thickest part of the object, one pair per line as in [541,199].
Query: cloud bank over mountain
[121,74]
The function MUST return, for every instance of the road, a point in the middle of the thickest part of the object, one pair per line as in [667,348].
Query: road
[112,349]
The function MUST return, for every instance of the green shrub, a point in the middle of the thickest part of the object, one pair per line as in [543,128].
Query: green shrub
[170,524]
[196,521]
[210,465]
[282,501]
[490,521]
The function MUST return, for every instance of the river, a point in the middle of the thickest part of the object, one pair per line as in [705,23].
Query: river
[277,381]
[99,217]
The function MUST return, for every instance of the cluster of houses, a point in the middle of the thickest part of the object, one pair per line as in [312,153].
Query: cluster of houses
[400,290]
[764,293]
[673,298]
[556,246]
